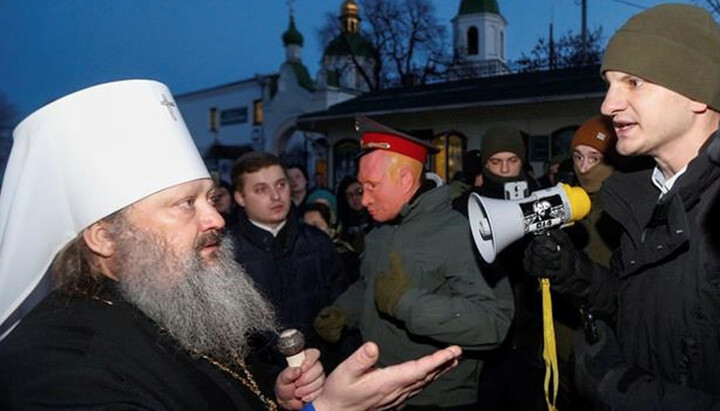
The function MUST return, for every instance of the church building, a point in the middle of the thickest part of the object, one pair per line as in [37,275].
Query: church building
[310,121]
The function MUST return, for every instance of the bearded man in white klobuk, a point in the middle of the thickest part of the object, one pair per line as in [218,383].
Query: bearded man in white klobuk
[106,190]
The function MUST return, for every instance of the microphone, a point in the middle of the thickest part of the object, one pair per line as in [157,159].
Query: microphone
[291,344]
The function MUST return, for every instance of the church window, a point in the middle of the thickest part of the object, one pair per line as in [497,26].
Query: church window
[472,41]
[502,44]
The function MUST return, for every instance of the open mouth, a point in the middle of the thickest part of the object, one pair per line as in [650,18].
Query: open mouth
[623,127]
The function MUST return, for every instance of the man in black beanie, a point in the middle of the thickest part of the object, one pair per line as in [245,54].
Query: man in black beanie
[503,156]
[662,291]
[512,378]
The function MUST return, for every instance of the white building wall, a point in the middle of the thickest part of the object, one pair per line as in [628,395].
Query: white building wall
[196,107]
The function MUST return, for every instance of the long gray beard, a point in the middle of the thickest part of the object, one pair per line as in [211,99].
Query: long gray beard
[208,307]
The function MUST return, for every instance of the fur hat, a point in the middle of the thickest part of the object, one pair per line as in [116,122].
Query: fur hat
[674,45]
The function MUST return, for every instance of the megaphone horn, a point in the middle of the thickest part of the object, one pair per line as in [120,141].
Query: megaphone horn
[495,224]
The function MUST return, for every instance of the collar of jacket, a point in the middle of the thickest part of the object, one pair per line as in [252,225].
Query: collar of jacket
[632,200]
[620,192]
[427,196]
[702,171]
[264,240]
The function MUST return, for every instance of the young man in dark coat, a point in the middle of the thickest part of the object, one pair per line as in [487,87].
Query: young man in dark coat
[293,264]
[663,287]
[151,311]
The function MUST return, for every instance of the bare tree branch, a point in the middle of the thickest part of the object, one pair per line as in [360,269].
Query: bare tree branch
[712,5]
[409,44]
[568,52]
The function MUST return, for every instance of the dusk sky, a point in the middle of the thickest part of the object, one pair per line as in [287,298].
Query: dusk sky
[50,48]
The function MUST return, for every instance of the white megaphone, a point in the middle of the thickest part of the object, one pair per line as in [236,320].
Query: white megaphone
[495,224]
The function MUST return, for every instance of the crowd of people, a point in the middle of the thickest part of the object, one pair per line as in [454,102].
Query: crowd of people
[171,286]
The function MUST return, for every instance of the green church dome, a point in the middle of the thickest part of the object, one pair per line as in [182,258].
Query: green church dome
[349,43]
[292,35]
[479,6]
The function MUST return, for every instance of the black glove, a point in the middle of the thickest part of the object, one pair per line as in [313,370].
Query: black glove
[550,256]
[593,362]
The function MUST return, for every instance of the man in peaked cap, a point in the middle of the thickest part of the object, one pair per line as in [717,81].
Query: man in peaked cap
[150,310]
[662,289]
[420,286]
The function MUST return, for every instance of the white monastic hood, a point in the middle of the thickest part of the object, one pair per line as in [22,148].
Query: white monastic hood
[80,159]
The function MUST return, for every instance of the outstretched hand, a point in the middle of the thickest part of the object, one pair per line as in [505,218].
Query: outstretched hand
[356,385]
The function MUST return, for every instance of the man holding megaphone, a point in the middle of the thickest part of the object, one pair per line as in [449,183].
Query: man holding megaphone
[512,378]
[663,287]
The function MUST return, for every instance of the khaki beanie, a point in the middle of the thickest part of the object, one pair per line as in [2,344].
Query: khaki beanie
[674,45]
[597,133]
[502,138]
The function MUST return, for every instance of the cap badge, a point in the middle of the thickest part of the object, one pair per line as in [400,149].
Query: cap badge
[374,144]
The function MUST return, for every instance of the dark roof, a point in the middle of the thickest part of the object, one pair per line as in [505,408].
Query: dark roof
[479,6]
[573,83]
[302,75]
[273,77]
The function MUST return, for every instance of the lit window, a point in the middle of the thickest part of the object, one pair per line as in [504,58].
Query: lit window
[257,112]
[449,160]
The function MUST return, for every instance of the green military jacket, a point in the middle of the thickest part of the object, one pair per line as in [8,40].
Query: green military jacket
[449,302]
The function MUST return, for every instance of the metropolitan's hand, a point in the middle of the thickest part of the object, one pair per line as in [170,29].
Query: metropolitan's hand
[296,385]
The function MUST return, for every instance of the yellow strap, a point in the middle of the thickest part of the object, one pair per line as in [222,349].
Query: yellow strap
[549,353]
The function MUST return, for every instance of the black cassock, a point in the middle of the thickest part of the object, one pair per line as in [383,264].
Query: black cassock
[83,353]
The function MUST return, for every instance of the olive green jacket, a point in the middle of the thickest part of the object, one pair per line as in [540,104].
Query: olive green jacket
[449,302]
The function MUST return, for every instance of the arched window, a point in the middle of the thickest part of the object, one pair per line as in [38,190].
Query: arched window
[449,160]
[502,44]
[472,41]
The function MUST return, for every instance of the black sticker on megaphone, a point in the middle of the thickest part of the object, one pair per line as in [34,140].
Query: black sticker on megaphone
[542,214]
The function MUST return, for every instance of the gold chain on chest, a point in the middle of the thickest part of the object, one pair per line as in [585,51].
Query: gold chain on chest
[247,379]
